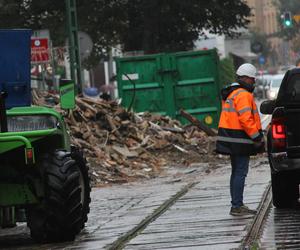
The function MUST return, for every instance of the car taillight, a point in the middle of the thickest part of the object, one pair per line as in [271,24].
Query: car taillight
[278,133]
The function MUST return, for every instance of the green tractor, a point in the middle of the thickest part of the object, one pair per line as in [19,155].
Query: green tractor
[44,179]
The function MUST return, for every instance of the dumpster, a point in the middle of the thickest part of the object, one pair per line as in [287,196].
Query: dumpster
[165,83]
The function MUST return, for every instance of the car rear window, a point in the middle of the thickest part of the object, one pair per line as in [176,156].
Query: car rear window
[290,92]
[293,88]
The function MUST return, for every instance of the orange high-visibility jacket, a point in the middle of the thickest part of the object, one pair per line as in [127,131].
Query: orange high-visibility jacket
[239,124]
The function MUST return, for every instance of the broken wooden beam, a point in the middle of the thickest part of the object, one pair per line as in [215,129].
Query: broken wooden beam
[198,123]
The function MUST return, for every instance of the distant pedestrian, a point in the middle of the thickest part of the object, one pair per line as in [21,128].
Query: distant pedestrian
[239,133]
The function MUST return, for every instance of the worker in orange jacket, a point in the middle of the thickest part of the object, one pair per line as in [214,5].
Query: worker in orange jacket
[239,133]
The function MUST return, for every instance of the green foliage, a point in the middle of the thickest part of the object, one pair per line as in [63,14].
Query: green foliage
[152,26]
[173,25]
[35,15]
[227,72]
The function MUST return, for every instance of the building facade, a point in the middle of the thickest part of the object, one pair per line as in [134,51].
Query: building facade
[264,20]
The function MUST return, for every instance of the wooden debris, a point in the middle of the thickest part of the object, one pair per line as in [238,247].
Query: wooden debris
[125,152]
[198,123]
[180,148]
[122,146]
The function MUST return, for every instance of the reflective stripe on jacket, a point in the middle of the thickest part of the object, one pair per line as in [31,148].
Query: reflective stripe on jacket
[239,124]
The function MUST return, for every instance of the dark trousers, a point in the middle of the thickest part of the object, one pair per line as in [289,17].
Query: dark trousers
[239,171]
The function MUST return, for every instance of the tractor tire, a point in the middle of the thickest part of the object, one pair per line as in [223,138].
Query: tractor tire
[84,180]
[63,211]
[285,189]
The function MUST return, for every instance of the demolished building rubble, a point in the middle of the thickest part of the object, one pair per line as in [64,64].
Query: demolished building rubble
[122,146]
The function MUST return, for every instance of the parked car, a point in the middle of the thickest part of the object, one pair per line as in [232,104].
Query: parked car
[259,89]
[283,141]
[262,85]
[274,85]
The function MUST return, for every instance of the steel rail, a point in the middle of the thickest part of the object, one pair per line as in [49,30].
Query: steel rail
[252,236]
[119,243]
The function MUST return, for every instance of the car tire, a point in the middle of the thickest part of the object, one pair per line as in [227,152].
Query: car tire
[285,189]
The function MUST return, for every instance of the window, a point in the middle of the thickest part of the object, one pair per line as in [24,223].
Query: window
[292,92]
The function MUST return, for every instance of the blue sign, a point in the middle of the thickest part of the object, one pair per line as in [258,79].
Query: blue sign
[261,60]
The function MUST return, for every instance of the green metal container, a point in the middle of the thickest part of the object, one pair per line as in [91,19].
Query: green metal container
[166,83]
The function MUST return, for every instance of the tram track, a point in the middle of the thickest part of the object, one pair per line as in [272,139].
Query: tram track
[273,228]
[252,236]
[192,214]
[208,228]
[119,244]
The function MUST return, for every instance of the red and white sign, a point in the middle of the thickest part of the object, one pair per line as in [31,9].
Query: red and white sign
[39,50]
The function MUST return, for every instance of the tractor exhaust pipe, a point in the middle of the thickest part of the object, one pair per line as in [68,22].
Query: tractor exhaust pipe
[3,116]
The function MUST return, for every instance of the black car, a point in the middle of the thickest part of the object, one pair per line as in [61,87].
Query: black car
[283,141]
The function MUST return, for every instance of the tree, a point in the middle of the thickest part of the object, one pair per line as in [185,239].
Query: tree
[227,72]
[34,15]
[152,26]
[172,25]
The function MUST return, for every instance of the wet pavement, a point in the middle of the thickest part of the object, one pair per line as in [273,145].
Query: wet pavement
[281,230]
[188,208]
[200,219]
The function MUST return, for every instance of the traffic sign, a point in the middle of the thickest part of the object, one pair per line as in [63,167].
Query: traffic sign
[39,50]
[261,60]
[296,18]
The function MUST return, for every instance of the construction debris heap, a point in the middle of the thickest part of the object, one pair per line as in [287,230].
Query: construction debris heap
[122,146]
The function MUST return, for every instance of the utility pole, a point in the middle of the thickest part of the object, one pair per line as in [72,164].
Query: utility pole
[72,28]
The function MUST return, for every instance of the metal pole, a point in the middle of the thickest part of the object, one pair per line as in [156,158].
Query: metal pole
[72,27]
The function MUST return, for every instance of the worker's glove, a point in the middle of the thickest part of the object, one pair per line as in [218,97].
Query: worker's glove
[259,145]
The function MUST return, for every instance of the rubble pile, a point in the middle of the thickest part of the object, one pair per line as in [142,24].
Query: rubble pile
[122,146]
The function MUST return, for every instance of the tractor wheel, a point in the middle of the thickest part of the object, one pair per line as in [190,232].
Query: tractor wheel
[63,211]
[84,180]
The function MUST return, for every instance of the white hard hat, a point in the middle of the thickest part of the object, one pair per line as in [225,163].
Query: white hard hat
[246,69]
